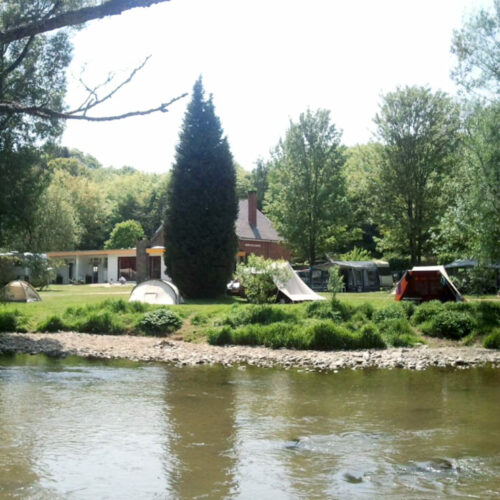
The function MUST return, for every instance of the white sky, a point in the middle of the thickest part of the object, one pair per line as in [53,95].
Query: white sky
[265,61]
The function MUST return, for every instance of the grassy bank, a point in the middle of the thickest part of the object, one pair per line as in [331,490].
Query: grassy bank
[354,321]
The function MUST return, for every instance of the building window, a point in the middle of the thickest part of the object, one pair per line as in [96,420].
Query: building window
[127,268]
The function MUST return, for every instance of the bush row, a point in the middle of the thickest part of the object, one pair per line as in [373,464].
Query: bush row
[274,326]
[323,335]
[112,317]
[319,335]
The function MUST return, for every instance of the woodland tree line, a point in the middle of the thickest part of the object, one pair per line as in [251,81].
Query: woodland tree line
[425,190]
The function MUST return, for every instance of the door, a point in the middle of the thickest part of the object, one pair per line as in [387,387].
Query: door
[155,268]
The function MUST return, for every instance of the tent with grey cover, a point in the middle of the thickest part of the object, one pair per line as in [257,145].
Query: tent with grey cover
[19,291]
[156,292]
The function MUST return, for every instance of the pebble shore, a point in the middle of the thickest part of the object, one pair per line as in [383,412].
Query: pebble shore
[153,349]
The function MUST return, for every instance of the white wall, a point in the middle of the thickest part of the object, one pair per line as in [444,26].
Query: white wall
[112,267]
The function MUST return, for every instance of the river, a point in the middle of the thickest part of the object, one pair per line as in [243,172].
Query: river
[74,428]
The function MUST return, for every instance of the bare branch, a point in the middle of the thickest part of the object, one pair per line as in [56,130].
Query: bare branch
[91,104]
[47,113]
[73,17]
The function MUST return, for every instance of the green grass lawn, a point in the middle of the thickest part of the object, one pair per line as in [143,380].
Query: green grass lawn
[57,298]
[198,315]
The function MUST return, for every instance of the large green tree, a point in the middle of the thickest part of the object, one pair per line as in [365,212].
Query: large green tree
[419,130]
[200,239]
[306,194]
[477,49]
[470,226]
[23,180]
[125,235]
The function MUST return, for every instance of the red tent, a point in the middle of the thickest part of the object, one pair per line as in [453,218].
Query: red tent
[427,283]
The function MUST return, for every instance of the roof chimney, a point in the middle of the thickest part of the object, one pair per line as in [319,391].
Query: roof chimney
[252,208]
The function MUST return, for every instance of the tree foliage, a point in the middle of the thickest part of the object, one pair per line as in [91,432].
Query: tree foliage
[306,193]
[470,226]
[200,239]
[477,48]
[356,254]
[259,181]
[362,171]
[125,235]
[419,130]
[260,278]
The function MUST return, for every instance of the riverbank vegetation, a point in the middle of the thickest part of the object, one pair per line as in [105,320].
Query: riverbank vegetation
[350,321]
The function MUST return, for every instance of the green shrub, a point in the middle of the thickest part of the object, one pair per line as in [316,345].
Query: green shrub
[320,309]
[492,341]
[52,324]
[426,311]
[259,278]
[335,281]
[261,314]
[392,311]
[320,335]
[369,337]
[397,332]
[200,319]
[478,280]
[357,321]
[116,306]
[488,314]
[160,322]
[326,335]
[449,324]
[469,307]
[219,336]
[100,322]
[41,272]
[408,306]
[120,306]
[138,307]
[275,335]
[342,310]
[366,309]
[12,320]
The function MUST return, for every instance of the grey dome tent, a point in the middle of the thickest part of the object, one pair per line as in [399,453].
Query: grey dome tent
[158,292]
[19,291]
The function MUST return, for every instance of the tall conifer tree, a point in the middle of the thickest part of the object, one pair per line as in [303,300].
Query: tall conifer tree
[200,239]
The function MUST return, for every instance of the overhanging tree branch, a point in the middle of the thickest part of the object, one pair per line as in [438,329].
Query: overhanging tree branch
[94,100]
[73,18]
[47,113]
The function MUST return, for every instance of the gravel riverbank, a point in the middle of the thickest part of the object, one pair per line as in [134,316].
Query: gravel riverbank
[183,353]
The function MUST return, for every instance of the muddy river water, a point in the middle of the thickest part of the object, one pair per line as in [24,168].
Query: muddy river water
[76,428]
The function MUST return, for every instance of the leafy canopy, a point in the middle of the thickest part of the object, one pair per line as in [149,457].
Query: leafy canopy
[306,194]
[125,235]
[419,130]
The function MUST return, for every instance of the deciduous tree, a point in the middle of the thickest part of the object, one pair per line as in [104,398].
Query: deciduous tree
[306,194]
[419,131]
[477,48]
[125,235]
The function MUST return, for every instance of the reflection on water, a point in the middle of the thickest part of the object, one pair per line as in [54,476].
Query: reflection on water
[80,429]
